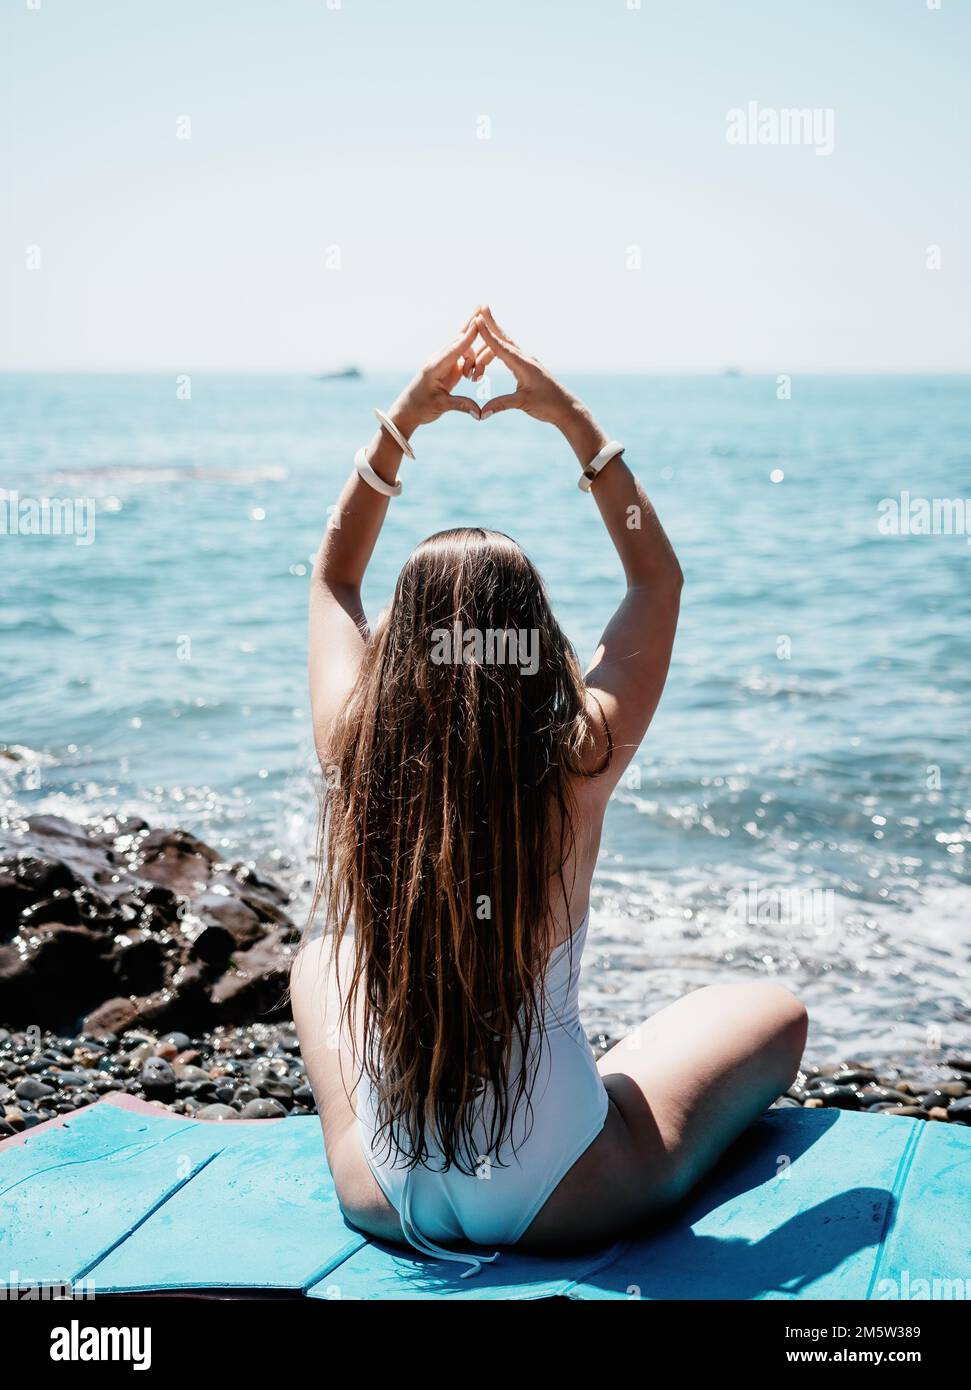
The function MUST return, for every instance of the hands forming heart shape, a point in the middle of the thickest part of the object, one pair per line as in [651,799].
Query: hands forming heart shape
[430,394]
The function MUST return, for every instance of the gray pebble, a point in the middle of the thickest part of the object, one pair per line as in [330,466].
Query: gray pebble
[32,1089]
[216,1112]
[262,1110]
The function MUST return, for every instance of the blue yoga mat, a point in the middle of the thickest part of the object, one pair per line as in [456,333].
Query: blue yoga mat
[809,1204]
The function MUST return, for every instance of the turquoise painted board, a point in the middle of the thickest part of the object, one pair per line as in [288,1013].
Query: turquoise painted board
[262,1214]
[90,1186]
[927,1252]
[798,1210]
[380,1271]
[810,1204]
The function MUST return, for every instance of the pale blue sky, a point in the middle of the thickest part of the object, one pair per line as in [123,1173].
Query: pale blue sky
[356,126]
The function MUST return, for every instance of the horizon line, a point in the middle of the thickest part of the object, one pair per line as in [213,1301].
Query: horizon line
[337,374]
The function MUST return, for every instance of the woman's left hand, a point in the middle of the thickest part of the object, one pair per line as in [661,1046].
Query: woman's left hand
[429,395]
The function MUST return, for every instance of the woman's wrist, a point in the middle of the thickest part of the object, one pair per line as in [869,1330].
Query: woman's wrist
[405,416]
[580,430]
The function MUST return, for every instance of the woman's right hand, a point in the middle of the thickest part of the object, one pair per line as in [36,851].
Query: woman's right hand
[538,393]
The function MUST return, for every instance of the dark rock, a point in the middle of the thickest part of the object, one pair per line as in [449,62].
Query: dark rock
[959,1111]
[216,1112]
[113,1016]
[257,988]
[140,966]
[935,1100]
[240,921]
[61,907]
[43,877]
[32,1089]
[52,972]
[158,1080]
[883,1095]
[262,1110]
[14,897]
[279,1090]
[176,860]
[214,945]
[842,1097]
[194,1074]
[853,1076]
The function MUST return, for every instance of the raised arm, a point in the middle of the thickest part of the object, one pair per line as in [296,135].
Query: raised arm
[627,674]
[338,626]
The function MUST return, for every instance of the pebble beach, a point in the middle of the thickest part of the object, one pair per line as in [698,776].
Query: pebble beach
[255,1072]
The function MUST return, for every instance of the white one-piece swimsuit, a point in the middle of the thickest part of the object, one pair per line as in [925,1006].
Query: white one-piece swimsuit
[495,1205]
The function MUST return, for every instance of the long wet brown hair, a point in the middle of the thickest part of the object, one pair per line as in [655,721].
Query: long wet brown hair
[448,819]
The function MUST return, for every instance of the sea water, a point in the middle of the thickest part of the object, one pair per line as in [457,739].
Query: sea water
[800,809]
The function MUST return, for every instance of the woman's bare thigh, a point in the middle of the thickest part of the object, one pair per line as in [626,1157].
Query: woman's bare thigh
[682,1087]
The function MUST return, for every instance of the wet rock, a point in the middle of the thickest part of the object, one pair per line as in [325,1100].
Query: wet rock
[52,972]
[280,1091]
[140,965]
[257,987]
[842,1097]
[90,915]
[176,860]
[935,1100]
[32,1089]
[113,1016]
[158,1080]
[959,1111]
[883,1095]
[853,1076]
[216,1112]
[241,922]
[188,1073]
[262,1110]
[214,945]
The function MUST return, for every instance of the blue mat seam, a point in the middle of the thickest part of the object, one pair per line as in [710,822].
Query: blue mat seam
[167,1196]
[893,1205]
[342,1256]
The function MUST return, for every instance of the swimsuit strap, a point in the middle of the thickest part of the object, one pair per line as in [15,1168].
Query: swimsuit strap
[428,1247]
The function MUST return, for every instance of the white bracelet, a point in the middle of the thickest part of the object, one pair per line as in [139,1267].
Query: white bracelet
[608,452]
[365,471]
[395,433]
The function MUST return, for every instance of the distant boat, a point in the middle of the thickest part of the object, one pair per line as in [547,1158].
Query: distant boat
[732,371]
[345,374]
